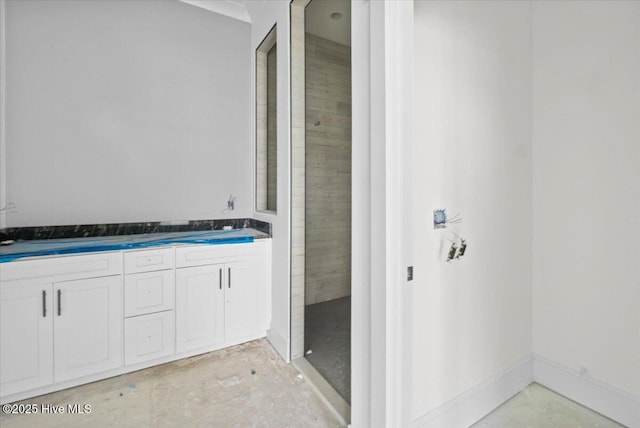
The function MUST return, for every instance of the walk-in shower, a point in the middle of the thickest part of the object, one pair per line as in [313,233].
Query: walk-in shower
[321,182]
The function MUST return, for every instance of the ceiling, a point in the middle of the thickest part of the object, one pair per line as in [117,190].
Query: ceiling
[232,8]
[319,21]
[318,15]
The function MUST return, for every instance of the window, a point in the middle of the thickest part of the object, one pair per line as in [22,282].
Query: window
[266,124]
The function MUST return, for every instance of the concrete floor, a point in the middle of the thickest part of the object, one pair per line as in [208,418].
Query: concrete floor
[539,407]
[243,386]
[250,386]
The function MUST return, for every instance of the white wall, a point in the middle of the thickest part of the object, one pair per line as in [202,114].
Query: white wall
[470,319]
[364,374]
[263,16]
[586,191]
[125,111]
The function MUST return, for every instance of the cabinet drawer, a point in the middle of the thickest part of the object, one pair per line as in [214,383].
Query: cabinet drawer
[63,268]
[148,337]
[149,292]
[198,255]
[148,260]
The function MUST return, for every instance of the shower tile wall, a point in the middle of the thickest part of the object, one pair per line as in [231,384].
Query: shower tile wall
[272,129]
[297,178]
[328,170]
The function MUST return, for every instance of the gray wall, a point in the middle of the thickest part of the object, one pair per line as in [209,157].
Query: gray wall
[327,170]
[125,111]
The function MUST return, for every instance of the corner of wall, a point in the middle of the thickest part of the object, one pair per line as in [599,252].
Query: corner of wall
[599,396]
[263,16]
[3,147]
[472,405]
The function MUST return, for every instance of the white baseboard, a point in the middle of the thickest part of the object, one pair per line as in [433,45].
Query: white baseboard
[472,405]
[605,399]
[475,403]
[279,343]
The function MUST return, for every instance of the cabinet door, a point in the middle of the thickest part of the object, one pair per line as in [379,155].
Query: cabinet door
[199,307]
[87,327]
[26,336]
[243,311]
[147,337]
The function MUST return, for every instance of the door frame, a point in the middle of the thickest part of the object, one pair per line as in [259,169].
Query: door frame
[382,108]
[382,53]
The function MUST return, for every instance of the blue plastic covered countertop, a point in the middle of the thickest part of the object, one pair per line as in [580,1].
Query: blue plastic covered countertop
[48,247]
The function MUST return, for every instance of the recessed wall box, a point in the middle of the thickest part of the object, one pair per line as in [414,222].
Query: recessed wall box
[439,219]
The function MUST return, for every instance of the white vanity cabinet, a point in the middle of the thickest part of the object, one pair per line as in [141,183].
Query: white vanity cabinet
[149,301]
[61,318]
[69,320]
[219,297]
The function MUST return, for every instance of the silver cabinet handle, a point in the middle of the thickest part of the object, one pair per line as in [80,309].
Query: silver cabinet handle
[220,280]
[229,277]
[59,304]
[44,303]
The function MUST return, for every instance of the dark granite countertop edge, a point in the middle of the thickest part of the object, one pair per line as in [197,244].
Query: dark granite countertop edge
[120,229]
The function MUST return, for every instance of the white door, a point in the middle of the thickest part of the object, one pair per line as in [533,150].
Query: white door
[199,307]
[26,336]
[87,326]
[243,311]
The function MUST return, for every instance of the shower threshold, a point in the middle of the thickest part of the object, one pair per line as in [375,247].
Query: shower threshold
[325,391]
